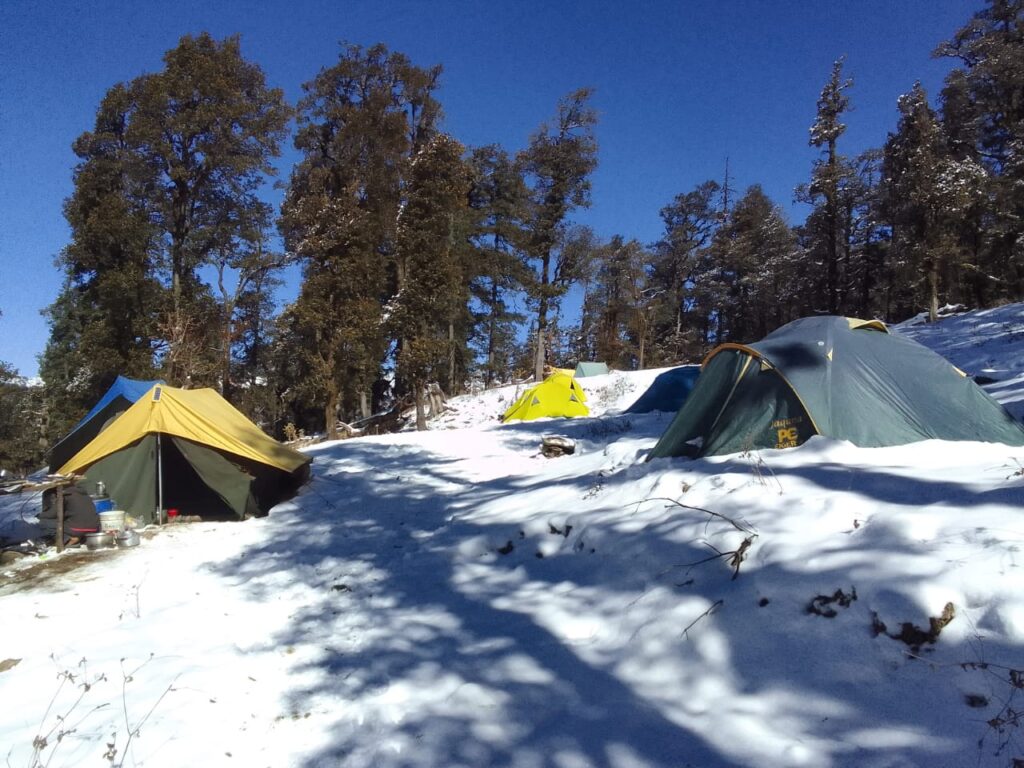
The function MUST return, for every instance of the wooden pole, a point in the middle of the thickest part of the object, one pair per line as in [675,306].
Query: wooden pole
[60,518]
[159,483]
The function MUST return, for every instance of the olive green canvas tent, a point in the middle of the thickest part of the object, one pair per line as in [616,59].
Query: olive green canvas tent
[835,376]
[192,451]
[558,395]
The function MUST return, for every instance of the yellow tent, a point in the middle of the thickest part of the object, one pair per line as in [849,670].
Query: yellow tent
[558,395]
[191,450]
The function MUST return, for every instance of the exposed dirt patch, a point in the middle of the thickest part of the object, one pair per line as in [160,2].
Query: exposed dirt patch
[45,573]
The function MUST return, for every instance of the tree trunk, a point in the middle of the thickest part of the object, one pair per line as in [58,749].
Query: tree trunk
[539,356]
[225,382]
[541,353]
[492,330]
[364,404]
[542,318]
[451,357]
[832,232]
[421,416]
[331,413]
[933,291]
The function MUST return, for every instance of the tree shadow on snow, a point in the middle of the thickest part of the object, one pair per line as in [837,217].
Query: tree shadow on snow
[422,660]
[394,621]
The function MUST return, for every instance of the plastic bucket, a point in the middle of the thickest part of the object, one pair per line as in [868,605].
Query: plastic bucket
[112,520]
[103,503]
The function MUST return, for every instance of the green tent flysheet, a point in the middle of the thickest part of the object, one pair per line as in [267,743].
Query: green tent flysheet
[835,376]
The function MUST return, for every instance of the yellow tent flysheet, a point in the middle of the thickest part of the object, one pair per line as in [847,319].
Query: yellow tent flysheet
[199,415]
[558,395]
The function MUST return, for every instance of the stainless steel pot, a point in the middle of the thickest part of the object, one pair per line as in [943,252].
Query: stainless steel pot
[129,537]
[99,540]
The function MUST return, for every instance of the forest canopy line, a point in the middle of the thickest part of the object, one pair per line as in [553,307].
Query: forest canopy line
[424,260]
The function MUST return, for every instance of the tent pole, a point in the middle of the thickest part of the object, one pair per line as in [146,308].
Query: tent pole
[159,483]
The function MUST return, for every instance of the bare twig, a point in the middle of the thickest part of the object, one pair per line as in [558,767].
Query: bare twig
[60,728]
[739,527]
[135,730]
[708,612]
[736,557]
[740,555]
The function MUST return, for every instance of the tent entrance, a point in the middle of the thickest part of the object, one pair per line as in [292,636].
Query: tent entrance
[763,412]
[738,404]
[184,488]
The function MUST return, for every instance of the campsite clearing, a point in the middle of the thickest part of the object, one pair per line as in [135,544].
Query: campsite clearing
[453,598]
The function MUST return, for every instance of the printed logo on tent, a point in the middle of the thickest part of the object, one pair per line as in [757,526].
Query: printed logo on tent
[787,432]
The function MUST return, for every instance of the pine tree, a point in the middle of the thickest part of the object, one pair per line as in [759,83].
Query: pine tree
[251,362]
[583,246]
[619,284]
[756,250]
[22,444]
[429,294]
[927,191]
[497,200]
[361,123]
[830,180]
[206,128]
[105,321]
[869,238]
[983,117]
[21,414]
[167,179]
[680,301]
[246,274]
[558,162]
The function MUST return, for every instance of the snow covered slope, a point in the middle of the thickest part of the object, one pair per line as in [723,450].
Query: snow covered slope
[452,598]
[988,344]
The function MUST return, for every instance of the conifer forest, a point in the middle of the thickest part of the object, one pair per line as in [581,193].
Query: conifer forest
[423,262]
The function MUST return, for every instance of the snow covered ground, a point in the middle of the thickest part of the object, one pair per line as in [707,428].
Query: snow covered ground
[988,344]
[452,598]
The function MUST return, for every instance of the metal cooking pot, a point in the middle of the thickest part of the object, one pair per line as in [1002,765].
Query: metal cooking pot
[99,540]
[129,537]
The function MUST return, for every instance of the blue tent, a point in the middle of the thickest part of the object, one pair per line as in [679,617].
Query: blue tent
[668,391]
[122,393]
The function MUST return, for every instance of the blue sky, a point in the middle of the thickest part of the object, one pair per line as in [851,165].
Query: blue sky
[680,87]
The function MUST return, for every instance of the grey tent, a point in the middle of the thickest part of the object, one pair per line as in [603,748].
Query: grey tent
[835,376]
[590,369]
[668,391]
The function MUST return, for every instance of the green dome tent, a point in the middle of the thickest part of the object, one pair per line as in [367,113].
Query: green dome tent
[844,378]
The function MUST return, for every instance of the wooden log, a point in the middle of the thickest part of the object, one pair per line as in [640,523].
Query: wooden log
[557,445]
[388,421]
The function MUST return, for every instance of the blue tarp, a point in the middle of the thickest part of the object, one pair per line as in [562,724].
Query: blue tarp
[130,389]
[122,393]
[668,391]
